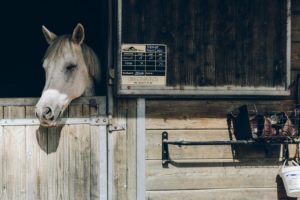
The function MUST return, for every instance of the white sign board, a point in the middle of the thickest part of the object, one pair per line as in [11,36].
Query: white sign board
[144,64]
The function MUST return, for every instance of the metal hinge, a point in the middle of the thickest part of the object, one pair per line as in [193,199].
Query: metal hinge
[115,127]
[111,76]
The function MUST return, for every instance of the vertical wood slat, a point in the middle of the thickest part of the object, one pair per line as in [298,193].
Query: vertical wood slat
[141,149]
[2,164]
[36,159]
[131,150]
[119,166]
[55,167]
[15,156]
[119,151]
[78,156]
[98,163]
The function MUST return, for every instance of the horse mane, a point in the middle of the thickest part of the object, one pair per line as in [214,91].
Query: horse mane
[90,58]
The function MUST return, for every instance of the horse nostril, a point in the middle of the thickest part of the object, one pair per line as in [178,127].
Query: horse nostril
[48,113]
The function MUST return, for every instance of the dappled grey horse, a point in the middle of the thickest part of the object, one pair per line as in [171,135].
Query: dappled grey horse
[72,70]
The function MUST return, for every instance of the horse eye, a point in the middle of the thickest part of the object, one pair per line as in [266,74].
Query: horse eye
[70,67]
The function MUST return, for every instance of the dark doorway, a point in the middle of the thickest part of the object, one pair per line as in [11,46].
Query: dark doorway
[23,44]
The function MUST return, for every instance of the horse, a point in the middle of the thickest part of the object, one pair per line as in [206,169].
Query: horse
[72,69]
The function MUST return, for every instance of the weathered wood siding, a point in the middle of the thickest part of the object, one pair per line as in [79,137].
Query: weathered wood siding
[295,61]
[214,172]
[49,164]
[213,43]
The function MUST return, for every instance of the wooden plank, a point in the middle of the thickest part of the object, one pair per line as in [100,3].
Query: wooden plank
[95,185]
[55,167]
[32,101]
[203,114]
[79,161]
[3,194]
[95,164]
[33,151]
[295,6]
[15,156]
[75,111]
[78,151]
[131,150]
[140,148]
[190,123]
[42,160]
[2,186]
[295,56]
[35,170]
[220,194]
[15,162]
[98,155]
[119,150]
[296,28]
[209,176]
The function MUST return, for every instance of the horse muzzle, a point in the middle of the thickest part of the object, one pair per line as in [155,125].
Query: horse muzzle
[50,107]
[47,116]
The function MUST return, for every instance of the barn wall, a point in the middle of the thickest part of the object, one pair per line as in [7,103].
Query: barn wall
[56,163]
[213,43]
[295,61]
[215,172]
[200,172]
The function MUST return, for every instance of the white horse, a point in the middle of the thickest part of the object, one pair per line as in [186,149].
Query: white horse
[72,70]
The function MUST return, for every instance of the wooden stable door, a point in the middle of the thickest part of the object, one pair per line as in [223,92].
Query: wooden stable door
[66,162]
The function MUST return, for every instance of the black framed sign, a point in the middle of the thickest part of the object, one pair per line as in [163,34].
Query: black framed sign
[144,64]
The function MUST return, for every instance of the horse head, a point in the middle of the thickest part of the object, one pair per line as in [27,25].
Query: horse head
[71,70]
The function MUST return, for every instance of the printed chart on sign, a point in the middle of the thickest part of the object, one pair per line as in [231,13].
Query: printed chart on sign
[144,64]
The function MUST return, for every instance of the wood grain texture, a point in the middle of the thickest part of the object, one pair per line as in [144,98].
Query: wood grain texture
[95,160]
[295,61]
[15,155]
[209,176]
[227,43]
[203,114]
[119,148]
[54,163]
[131,150]
[220,194]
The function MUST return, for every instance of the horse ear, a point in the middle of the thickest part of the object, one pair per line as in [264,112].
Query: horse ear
[78,34]
[49,36]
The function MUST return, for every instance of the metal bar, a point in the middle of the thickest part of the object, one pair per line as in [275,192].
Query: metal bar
[67,121]
[165,149]
[165,145]
[193,143]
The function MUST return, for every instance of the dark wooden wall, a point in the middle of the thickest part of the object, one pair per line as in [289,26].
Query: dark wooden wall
[213,43]
[295,36]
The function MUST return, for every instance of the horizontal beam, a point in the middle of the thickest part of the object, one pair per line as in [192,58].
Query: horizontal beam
[96,121]
[33,101]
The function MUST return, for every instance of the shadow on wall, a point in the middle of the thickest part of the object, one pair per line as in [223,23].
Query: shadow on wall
[48,138]
[23,44]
